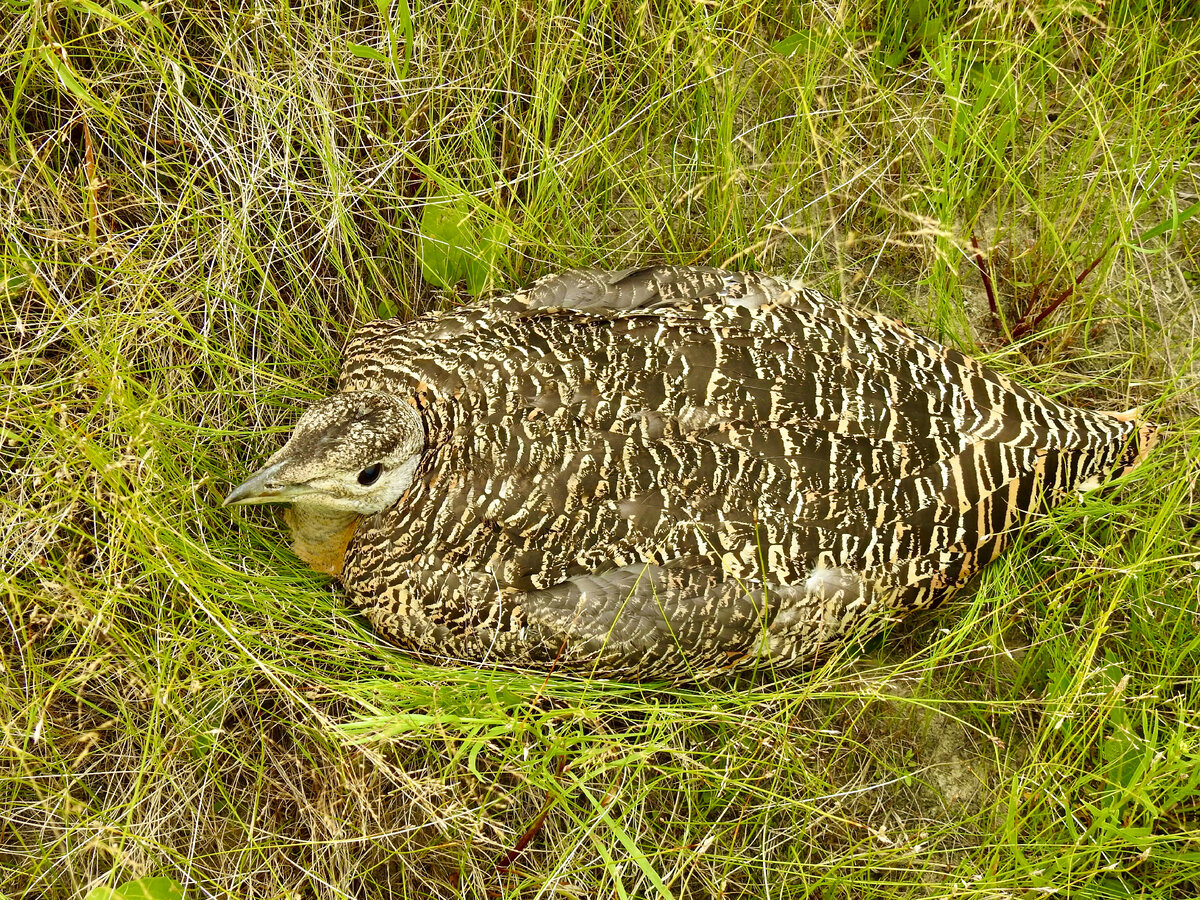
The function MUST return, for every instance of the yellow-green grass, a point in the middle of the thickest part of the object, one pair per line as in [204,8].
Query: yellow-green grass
[200,202]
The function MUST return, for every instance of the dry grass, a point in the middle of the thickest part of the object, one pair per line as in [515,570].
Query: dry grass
[199,202]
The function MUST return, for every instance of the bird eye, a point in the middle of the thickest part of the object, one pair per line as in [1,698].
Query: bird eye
[370,474]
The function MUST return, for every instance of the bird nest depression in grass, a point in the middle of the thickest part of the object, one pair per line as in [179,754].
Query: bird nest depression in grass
[202,202]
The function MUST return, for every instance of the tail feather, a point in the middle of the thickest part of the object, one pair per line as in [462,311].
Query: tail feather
[1145,437]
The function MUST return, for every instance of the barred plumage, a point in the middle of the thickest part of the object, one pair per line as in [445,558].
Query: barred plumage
[666,472]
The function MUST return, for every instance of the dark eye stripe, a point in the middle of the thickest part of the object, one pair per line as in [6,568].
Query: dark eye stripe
[370,474]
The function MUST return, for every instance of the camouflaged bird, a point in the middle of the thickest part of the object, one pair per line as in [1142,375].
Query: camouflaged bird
[667,472]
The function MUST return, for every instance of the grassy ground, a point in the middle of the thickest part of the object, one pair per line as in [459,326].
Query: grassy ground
[200,202]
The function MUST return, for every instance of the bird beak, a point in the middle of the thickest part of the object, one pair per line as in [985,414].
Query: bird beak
[261,487]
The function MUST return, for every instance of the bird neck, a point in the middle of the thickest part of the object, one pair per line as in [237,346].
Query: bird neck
[320,535]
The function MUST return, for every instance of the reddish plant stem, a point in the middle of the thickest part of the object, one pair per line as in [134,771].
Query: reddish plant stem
[984,267]
[1026,325]
[531,832]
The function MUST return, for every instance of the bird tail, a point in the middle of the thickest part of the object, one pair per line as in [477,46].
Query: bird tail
[1138,445]
[1129,442]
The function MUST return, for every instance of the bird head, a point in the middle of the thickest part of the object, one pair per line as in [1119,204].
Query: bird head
[354,452]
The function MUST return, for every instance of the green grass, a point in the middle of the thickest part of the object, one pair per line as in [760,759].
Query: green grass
[199,203]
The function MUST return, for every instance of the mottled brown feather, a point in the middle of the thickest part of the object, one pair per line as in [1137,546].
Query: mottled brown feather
[672,471]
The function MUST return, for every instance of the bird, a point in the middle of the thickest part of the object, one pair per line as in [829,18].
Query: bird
[666,473]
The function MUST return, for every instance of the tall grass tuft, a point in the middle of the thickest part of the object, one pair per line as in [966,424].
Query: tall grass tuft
[200,202]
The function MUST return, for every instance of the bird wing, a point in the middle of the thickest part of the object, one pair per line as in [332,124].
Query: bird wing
[643,556]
